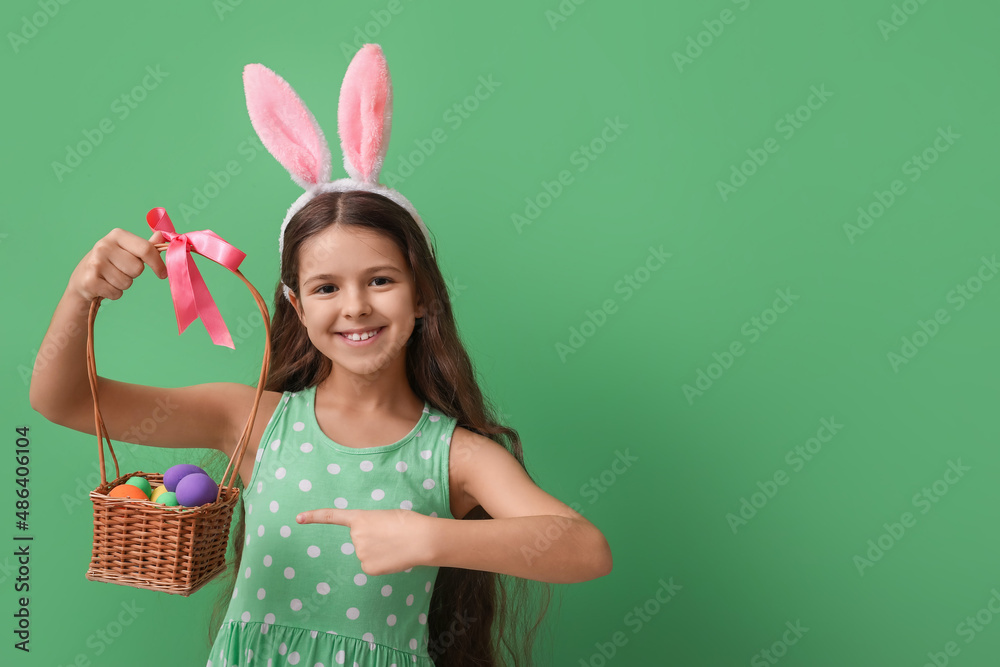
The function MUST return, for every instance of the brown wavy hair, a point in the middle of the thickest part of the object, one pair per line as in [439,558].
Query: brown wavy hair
[476,618]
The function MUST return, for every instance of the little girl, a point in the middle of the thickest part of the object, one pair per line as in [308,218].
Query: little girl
[373,447]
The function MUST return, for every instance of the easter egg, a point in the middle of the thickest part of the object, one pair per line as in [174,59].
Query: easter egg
[168,498]
[176,473]
[157,491]
[128,491]
[140,483]
[196,489]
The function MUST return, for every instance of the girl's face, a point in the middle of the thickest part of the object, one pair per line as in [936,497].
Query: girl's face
[354,279]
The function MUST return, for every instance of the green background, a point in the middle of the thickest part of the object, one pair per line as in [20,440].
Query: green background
[674,515]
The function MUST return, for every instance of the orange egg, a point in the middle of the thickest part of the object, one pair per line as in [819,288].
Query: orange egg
[128,491]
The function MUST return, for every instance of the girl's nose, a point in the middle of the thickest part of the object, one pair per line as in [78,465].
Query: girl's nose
[355,303]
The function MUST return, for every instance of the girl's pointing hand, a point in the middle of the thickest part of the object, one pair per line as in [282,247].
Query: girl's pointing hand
[385,541]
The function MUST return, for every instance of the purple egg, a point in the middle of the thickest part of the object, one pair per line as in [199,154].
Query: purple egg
[196,489]
[175,473]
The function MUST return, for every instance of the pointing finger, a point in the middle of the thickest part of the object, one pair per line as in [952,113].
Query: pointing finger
[328,515]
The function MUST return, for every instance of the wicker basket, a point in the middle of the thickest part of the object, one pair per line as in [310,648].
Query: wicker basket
[143,544]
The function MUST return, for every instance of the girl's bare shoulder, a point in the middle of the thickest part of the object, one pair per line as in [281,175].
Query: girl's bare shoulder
[241,397]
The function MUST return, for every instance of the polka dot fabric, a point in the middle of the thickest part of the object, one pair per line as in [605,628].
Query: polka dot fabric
[301,597]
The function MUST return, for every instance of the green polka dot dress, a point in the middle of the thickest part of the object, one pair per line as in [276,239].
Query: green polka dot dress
[301,597]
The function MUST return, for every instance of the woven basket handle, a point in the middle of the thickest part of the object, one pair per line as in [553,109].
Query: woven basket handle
[229,476]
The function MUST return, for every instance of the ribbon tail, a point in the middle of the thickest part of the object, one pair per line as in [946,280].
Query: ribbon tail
[207,310]
[178,263]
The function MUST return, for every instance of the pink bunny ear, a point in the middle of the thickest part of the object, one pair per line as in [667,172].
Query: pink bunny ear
[286,126]
[364,116]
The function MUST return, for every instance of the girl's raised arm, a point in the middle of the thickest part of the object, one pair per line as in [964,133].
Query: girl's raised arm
[198,416]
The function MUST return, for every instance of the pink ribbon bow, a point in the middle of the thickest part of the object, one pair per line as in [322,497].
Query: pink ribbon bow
[187,287]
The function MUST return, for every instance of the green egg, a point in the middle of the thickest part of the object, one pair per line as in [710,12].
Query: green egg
[168,498]
[141,483]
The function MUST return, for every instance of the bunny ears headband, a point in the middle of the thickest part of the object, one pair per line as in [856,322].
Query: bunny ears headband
[291,134]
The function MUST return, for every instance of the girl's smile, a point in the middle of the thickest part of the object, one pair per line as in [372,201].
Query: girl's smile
[361,337]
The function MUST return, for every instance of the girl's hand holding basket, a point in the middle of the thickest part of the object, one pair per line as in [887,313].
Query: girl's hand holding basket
[114,263]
